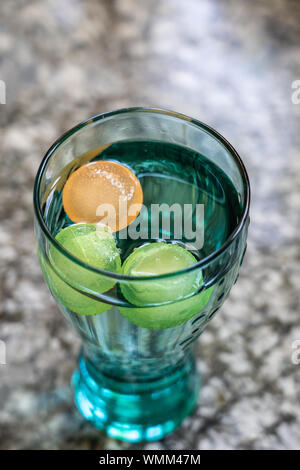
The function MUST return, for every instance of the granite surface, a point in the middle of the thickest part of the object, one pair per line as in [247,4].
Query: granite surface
[229,63]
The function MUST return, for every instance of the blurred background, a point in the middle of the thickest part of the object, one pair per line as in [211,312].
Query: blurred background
[229,63]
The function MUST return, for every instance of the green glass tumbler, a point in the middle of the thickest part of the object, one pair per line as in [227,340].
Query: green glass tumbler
[133,382]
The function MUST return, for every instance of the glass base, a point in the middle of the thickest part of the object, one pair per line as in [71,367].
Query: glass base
[136,411]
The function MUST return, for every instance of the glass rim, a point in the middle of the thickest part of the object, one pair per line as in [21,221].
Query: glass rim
[118,276]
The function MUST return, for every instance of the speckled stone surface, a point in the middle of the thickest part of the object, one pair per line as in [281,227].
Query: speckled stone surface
[228,63]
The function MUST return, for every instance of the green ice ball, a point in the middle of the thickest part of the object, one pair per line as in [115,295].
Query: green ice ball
[93,245]
[156,259]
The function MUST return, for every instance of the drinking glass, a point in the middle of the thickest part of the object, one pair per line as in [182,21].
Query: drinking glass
[135,383]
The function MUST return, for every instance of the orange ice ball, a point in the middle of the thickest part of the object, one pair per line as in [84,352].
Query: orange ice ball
[103,192]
